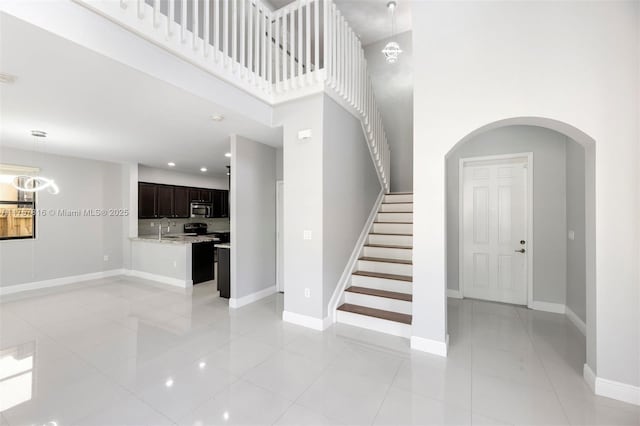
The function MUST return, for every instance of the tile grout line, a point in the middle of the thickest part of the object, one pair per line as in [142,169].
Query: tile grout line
[535,349]
[386,394]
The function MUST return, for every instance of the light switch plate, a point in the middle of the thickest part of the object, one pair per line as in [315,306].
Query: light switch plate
[307,293]
[572,235]
[307,234]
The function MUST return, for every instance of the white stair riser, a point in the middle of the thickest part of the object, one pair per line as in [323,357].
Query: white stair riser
[388,253]
[398,198]
[393,240]
[405,207]
[385,267]
[384,303]
[372,323]
[393,228]
[382,284]
[395,217]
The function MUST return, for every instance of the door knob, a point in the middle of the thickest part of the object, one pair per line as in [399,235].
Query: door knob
[520,251]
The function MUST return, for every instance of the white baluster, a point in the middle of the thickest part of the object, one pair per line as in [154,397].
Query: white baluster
[243,17]
[325,19]
[234,36]
[206,39]
[292,50]
[250,41]
[256,49]
[141,6]
[307,47]
[278,55]
[300,41]
[156,13]
[263,37]
[195,25]
[225,32]
[183,21]
[171,5]
[216,30]
[269,19]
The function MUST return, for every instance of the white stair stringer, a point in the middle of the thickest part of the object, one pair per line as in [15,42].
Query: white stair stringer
[378,295]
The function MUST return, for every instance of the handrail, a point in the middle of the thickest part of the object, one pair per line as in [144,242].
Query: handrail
[304,47]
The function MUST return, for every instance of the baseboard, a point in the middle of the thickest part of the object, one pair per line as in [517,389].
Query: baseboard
[430,346]
[612,389]
[576,321]
[238,302]
[355,254]
[556,308]
[307,321]
[454,294]
[55,282]
[176,282]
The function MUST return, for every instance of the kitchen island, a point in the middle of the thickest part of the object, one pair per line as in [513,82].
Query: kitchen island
[176,259]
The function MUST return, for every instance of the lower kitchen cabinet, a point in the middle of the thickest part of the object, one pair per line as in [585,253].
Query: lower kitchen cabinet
[202,266]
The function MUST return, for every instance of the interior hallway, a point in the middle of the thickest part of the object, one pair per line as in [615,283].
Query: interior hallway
[126,350]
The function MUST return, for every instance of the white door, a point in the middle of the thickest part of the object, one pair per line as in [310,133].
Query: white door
[279,239]
[494,228]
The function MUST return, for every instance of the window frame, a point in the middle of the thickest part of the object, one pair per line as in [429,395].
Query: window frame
[19,203]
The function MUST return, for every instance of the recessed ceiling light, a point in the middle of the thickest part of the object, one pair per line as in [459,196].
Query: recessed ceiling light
[171,164]
[228,155]
[39,133]
[217,117]
[203,169]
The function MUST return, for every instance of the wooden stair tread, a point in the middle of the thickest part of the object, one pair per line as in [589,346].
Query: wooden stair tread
[376,313]
[386,233]
[380,293]
[397,223]
[389,246]
[385,260]
[383,275]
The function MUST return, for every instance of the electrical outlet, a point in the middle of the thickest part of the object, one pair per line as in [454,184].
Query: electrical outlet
[572,235]
[307,234]
[307,293]
[106,257]
[152,224]
[175,263]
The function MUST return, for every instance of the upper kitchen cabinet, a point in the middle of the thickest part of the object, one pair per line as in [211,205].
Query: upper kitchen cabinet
[220,199]
[197,194]
[147,200]
[166,201]
[181,201]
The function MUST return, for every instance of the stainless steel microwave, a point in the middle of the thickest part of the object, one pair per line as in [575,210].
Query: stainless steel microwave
[201,209]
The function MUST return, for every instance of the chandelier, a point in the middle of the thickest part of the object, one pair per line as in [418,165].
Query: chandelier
[392,50]
[28,183]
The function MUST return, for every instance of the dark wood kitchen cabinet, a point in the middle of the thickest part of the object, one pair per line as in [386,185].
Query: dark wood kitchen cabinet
[147,200]
[166,201]
[181,206]
[158,200]
[202,268]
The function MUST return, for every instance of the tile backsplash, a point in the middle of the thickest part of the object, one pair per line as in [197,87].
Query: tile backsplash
[177,225]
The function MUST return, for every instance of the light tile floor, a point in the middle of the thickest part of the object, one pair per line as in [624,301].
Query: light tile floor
[124,351]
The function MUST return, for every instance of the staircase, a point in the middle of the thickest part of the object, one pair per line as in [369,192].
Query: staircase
[379,296]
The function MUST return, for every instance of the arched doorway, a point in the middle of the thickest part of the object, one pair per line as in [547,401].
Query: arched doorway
[492,142]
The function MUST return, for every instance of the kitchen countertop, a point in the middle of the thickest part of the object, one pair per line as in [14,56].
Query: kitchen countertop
[223,246]
[175,239]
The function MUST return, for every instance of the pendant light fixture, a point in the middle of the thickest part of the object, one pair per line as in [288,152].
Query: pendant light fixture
[28,183]
[392,50]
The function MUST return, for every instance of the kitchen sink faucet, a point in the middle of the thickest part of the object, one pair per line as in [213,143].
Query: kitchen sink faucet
[160,229]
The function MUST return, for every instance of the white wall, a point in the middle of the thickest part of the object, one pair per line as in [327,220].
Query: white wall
[350,189]
[302,165]
[549,202]
[170,177]
[576,222]
[393,86]
[574,62]
[253,217]
[71,245]
[279,159]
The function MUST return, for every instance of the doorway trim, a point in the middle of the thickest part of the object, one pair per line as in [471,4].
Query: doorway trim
[528,209]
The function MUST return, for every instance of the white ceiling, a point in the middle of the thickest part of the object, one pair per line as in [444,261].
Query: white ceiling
[368,18]
[94,107]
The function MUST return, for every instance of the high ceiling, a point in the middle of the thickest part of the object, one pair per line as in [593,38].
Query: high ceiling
[94,107]
[368,18]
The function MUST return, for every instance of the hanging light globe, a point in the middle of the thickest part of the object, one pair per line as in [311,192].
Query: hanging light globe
[391,52]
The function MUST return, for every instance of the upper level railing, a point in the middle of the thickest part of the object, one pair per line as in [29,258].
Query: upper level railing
[302,48]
